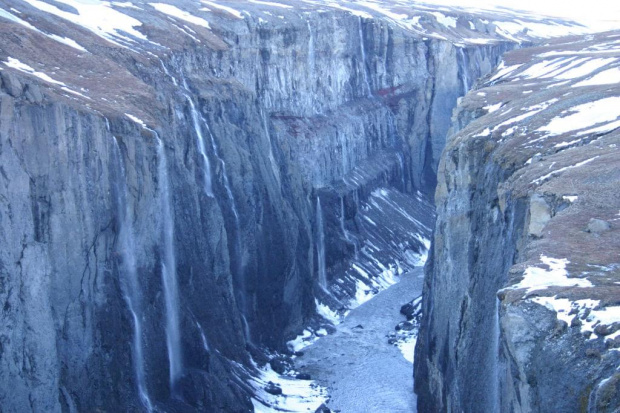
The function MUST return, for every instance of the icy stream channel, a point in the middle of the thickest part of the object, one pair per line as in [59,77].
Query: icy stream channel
[363,373]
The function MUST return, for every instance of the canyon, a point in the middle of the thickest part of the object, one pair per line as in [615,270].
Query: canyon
[192,190]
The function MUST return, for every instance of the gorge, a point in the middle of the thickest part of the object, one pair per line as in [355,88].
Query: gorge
[191,191]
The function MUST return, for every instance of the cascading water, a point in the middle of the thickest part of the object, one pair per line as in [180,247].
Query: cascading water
[203,337]
[246,329]
[236,261]
[201,142]
[129,276]
[494,361]
[272,159]
[311,64]
[462,62]
[229,194]
[401,165]
[168,270]
[363,48]
[346,233]
[321,245]
[311,58]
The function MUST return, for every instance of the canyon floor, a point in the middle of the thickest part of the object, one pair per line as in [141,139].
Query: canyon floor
[361,370]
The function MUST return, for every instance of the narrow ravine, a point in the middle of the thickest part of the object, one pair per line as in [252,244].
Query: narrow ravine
[360,369]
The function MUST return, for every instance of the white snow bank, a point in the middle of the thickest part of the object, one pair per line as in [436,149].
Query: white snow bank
[536,278]
[606,77]
[98,17]
[270,3]
[180,14]
[297,395]
[583,116]
[22,67]
[584,69]
[447,21]
[327,313]
[302,341]
[407,347]
[229,10]
[64,40]
[557,171]
[584,310]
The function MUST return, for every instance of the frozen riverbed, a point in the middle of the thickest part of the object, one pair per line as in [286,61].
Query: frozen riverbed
[362,372]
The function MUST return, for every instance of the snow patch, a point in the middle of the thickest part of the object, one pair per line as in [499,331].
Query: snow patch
[550,174]
[136,120]
[606,77]
[327,313]
[536,278]
[447,21]
[585,115]
[270,3]
[22,67]
[98,17]
[180,14]
[297,395]
[585,310]
[229,10]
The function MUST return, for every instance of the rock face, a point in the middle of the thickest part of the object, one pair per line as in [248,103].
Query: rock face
[522,297]
[159,178]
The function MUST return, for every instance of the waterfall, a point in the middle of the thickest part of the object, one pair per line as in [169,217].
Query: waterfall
[205,344]
[201,142]
[494,360]
[272,159]
[463,66]
[168,270]
[246,329]
[363,48]
[346,233]
[311,58]
[311,64]
[401,165]
[174,81]
[129,276]
[225,181]
[321,244]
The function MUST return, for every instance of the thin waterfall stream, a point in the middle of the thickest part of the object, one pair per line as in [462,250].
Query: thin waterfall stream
[321,245]
[129,276]
[168,270]
[363,49]
[200,142]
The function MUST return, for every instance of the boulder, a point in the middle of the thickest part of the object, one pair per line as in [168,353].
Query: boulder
[597,226]
[273,388]
[33,93]
[322,409]
[11,83]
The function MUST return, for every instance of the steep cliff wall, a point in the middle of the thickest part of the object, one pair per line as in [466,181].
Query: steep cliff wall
[521,294]
[160,181]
